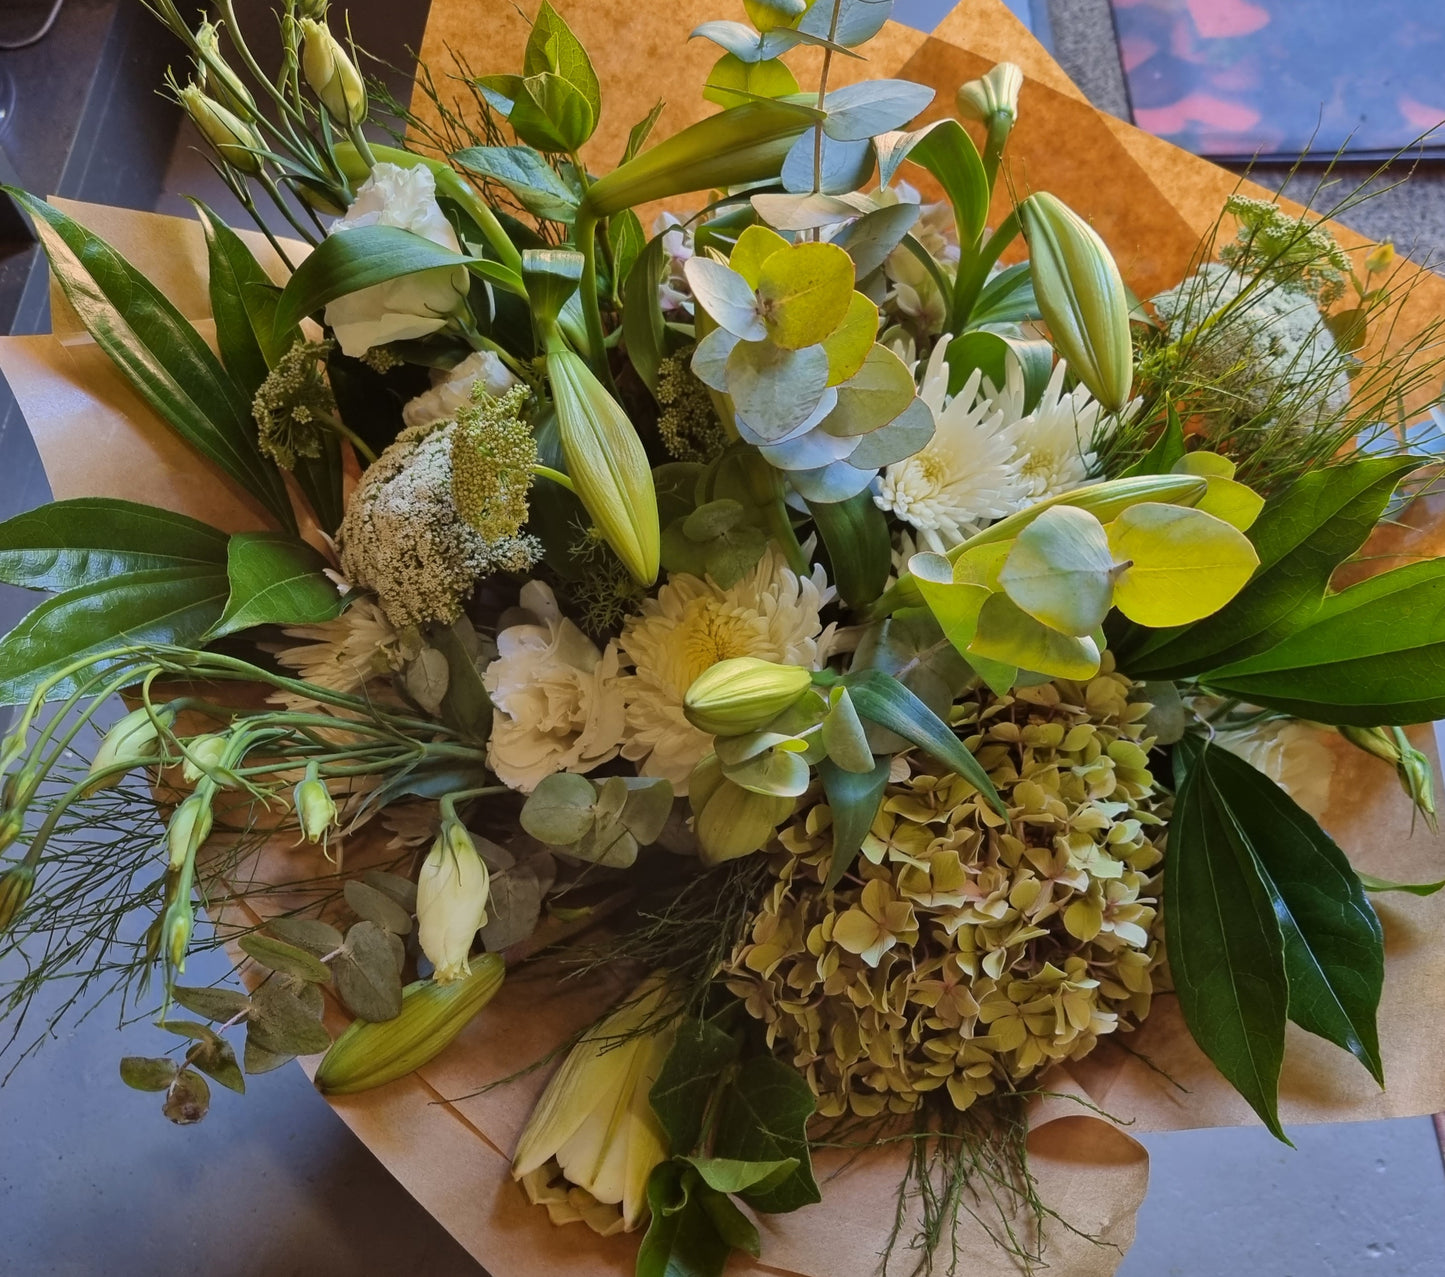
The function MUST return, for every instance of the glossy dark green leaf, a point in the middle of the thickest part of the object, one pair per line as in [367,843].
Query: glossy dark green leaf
[700,1053]
[1226,949]
[175,605]
[538,187]
[1302,535]
[320,480]
[243,302]
[763,1117]
[1372,655]
[853,798]
[1334,947]
[735,1228]
[681,1239]
[882,699]
[276,580]
[162,356]
[68,543]
[855,534]
[727,1175]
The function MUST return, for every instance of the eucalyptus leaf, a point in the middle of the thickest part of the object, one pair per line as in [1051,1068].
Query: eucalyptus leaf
[710,359]
[287,959]
[366,975]
[146,1073]
[282,1024]
[402,890]
[188,1098]
[832,168]
[867,107]
[514,905]
[726,297]
[907,434]
[377,906]
[870,239]
[213,1003]
[257,1059]
[217,1060]
[559,811]
[648,806]
[879,392]
[804,293]
[856,21]
[775,390]
[733,80]
[275,579]
[311,934]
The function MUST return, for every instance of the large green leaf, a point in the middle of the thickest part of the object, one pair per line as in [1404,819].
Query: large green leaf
[763,1117]
[159,605]
[1334,947]
[66,544]
[161,355]
[947,151]
[682,1238]
[853,800]
[1226,949]
[991,353]
[683,1092]
[1372,656]
[855,533]
[275,580]
[1301,536]
[882,699]
[538,187]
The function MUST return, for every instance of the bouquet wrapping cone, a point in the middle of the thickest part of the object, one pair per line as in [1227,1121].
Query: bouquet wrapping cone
[448,1140]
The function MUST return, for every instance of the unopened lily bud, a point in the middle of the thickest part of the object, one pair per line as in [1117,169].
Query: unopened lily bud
[132,742]
[1380,258]
[1081,296]
[235,141]
[16,884]
[218,81]
[332,75]
[189,827]
[992,96]
[728,820]
[742,695]
[451,901]
[315,808]
[607,464]
[204,756]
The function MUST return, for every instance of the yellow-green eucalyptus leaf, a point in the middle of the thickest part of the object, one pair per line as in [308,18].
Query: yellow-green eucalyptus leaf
[805,293]
[1009,635]
[873,396]
[755,245]
[1205,463]
[768,15]
[1184,563]
[733,81]
[955,603]
[848,344]
[1061,570]
[1228,499]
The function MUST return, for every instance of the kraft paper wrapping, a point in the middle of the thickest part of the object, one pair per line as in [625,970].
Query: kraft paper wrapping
[450,1145]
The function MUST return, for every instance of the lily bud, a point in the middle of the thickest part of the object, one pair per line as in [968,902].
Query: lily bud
[332,75]
[451,901]
[315,808]
[133,741]
[742,695]
[16,884]
[218,81]
[235,141]
[189,827]
[594,1127]
[992,96]
[204,756]
[728,820]
[606,463]
[371,1054]
[1081,296]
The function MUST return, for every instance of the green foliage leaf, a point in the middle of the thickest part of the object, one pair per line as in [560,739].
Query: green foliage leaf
[1008,298]
[804,293]
[212,1003]
[681,1239]
[763,1117]
[855,535]
[1373,655]
[1061,570]
[553,47]
[538,187]
[366,974]
[559,811]
[876,394]
[282,1024]
[377,906]
[311,934]
[732,81]
[727,1175]
[188,1099]
[466,707]
[160,605]
[946,150]
[866,108]
[65,544]
[161,355]
[853,799]
[148,1073]
[1184,563]
[285,959]
[1165,452]
[275,579]
[701,1052]
[1370,883]
[1009,636]
[643,332]
[992,353]
[627,239]
[775,389]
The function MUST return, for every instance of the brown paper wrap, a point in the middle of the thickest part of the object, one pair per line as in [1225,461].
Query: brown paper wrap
[450,1145]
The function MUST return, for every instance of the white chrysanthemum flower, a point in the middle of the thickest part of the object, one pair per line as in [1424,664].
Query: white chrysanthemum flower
[692,624]
[346,652]
[1053,445]
[967,475]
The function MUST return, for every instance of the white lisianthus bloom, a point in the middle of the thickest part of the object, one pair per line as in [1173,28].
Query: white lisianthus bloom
[412,305]
[453,390]
[1292,754]
[1053,445]
[967,475]
[452,889]
[593,1139]
[558,700]
[771,613]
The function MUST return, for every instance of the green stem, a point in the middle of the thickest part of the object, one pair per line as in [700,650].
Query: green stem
[557,477]
[586,235]
[969,282]
[999,128]
[822,94]
[363,449]
[363,147]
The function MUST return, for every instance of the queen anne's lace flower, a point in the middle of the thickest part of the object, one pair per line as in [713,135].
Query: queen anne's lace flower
[691,625]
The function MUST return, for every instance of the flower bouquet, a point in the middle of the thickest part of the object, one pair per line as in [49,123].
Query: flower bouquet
[750,664]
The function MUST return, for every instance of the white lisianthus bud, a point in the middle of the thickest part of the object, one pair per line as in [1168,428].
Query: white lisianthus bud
[217,79]
[594,1128]
[204,755]
[409,306]
[332,75]
[133,741]
[189,827]
[235,141]
[315,808]
[993,95]
[451,901]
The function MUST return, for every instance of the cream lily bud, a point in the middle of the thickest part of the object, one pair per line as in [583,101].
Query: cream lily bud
[133,741]
[315,808]
[332,75]
[742,695]
[993,95]
[372,1054]
[218,81]
[728,820]
[189,827]
[451,901]
[16,884]
[235,141]
[204,756]
[1081,295]
[595,1118]
[606,463]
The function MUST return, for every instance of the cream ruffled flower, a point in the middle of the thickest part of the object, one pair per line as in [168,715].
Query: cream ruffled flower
[691,625]
[1292,754]
[557,698]
[968,474]
[347,652]
[452,391]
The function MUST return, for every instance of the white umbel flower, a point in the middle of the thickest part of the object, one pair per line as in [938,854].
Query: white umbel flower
[968,474]
[771,613]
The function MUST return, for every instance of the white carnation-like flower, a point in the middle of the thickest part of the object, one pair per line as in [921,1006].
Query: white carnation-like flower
[410,306]
[1292,754]
[453,390]
[771,613]
[557,698]
[968,474]
[1054,444]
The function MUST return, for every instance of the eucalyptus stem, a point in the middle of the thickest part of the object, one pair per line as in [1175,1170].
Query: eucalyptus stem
[822,94]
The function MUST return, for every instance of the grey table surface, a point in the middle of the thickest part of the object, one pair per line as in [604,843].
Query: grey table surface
[94,1182]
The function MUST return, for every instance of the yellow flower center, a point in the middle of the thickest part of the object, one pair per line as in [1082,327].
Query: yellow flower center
[711,632]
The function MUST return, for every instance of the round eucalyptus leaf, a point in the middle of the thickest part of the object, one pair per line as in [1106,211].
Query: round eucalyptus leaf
[864,108]
[311,934]
[906,434]
[145,1073]
[726,297]
[773,389]
[378,907]
[1061,570]
[845,166]
[848,345]
[803,294]
[710,359]
[875,395]
[826,405]
[808,450]
[1184,564]
[188,1099]
[366,975]
[559,810]
[713,519]
[755,245]
[834,482]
